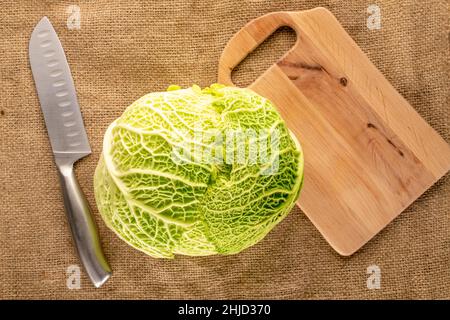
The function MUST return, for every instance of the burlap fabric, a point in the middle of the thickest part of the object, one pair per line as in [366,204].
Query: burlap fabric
[128,48]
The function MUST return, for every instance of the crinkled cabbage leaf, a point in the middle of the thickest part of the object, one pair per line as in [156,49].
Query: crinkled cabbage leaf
[170,180]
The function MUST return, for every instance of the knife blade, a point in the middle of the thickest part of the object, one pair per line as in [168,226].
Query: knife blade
[69,141]
[56,92]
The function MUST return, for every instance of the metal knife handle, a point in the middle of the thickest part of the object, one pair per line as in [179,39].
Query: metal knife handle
[82,225]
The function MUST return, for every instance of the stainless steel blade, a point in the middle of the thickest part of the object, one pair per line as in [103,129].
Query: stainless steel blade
[57,94]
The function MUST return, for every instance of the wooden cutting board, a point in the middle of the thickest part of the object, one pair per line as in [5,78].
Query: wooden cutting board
[368,153]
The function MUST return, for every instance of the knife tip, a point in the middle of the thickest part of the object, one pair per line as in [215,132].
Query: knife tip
[41,28]
[44,21]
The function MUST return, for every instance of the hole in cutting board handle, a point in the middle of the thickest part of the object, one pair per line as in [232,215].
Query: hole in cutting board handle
[264,56]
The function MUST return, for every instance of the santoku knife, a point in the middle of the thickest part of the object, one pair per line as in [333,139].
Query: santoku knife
[58,100]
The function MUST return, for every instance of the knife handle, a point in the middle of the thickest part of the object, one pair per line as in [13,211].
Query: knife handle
[82,225]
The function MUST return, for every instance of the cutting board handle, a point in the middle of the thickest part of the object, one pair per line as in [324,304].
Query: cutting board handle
[249,38]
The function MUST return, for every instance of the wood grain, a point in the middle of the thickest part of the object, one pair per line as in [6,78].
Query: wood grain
[368,153]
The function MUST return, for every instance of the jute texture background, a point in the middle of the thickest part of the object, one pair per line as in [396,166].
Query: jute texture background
[126,49]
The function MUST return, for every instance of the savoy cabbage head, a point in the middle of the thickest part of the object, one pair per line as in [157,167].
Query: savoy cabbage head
[197,172]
